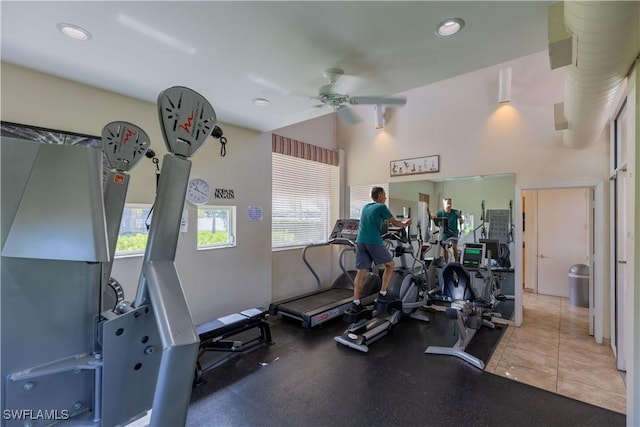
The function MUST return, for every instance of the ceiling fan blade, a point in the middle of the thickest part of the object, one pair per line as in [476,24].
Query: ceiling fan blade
[374,100]
[347,115]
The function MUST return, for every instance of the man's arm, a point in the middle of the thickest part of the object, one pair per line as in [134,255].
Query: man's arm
[393,221]
[439,215]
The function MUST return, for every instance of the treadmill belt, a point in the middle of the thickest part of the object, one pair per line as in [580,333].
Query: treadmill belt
[315,301]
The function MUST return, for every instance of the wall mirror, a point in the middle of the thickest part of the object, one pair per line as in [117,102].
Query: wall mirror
[477,197]
[468,194]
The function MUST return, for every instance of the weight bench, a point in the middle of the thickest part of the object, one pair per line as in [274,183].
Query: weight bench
[213,336]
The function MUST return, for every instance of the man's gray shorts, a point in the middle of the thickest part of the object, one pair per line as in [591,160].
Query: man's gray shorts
[367,253]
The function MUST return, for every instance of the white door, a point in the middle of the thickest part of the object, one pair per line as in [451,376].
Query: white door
[621,267]
[529,239]
[563,238]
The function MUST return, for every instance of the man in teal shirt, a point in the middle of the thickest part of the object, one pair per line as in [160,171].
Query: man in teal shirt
[449,219]
[370,246]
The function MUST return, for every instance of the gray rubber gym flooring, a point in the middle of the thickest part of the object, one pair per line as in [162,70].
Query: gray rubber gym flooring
[307,379]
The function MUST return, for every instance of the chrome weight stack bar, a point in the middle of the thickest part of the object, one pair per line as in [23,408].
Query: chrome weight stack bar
[186,119]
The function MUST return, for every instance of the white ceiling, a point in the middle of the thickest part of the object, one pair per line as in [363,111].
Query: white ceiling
[232,52]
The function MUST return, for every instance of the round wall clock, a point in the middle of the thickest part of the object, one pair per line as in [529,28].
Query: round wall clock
[198,191]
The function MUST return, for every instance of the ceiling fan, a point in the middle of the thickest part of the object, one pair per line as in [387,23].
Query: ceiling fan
[328,96]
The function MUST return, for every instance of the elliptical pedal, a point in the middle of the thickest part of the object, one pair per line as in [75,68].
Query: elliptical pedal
[354,317]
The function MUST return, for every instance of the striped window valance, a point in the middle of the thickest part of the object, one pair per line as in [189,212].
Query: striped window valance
[302,150]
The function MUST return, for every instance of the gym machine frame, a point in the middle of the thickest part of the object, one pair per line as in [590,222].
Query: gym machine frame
[111,370]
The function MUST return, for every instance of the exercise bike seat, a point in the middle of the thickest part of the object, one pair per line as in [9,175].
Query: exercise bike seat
[457,282]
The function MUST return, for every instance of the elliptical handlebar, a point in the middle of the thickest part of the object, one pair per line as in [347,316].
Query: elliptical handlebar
[394,234]
[407,249]
[403,235]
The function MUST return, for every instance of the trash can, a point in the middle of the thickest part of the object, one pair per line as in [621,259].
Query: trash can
[579,285]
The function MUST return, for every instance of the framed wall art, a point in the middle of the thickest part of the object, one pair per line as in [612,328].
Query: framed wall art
[426,164]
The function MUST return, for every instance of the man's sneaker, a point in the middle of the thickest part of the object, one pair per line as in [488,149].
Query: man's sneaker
[384,299]
[355,308]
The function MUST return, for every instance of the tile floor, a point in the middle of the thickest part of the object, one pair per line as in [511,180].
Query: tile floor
[552,350]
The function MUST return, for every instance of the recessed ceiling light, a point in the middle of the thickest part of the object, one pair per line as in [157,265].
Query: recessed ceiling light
[260,102]
[74,31]
[449,27]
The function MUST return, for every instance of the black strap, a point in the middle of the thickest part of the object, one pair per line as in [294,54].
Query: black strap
[223,148]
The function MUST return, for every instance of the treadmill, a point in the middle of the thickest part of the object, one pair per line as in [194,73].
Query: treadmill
[322,305]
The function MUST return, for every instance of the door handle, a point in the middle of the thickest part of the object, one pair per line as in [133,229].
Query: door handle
[622,262]
[541,256]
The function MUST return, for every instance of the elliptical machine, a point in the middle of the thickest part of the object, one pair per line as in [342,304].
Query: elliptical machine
[408,288]
[438,263]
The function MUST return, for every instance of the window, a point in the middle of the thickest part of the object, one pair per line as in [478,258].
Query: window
[360,195]
[216,227]
[133,235]
[301,201]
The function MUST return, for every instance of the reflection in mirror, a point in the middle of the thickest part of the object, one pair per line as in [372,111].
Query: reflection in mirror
[486,205]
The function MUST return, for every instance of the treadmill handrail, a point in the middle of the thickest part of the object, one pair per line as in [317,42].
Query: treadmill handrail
[341,264]
[341,241]
[335,241]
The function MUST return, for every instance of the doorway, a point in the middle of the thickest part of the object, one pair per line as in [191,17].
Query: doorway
[558,231]
[556,237]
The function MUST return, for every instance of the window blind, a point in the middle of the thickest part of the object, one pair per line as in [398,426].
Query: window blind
[360,195]
[301,201]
